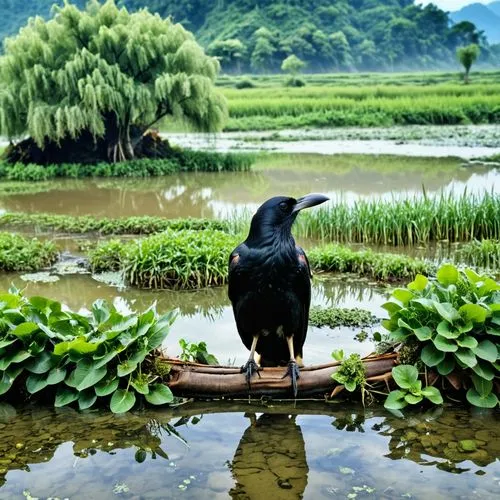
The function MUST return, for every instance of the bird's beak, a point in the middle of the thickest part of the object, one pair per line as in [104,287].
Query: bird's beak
[309,200]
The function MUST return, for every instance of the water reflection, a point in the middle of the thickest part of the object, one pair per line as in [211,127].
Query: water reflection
[216,450]
[224,194]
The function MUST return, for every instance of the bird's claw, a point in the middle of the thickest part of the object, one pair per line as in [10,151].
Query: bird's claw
[249,368]
[294,372]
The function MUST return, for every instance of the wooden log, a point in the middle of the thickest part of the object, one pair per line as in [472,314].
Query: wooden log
[204,381]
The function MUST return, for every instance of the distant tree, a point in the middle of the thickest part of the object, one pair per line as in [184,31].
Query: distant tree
[293,65]
[229,52]
[264,50]
[467,56]
[341,49]
[104,74]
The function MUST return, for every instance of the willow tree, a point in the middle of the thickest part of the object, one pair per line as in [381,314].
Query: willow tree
[104,73]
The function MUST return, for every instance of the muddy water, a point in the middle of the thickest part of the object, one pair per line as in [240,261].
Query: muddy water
[216,195]
[206,315]
[243,451]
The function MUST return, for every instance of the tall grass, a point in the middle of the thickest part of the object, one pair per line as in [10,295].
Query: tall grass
[416,220]
[483,254]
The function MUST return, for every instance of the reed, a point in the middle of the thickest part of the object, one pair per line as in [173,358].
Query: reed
[484,254]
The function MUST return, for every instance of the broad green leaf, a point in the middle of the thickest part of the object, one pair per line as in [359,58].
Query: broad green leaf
[86,399]
[472,276]
[467,341]
[85,375]
[466,356]
[395,400]
[419,283]
[465,328]
[399,335]
[489,285]
[126,368]
[105,359]
[412,399]
[433,395]
[41,364]
[159,394]
[78,345]
[100,311]
[36,382]
[106,387]
[158,333]
[484,370]
[486,350]
[141,386]
[482,386]
[447,331]
[25,330]
[493,331]
[426,304]
[446,366]
[444,344]
[350,385]
[473,312]
[13,357]
[431,356]
[447,274]
[403,295]
[405,375]
[8,377]
[423,333]
[446,311]
[9,301]
[391,307]
[65,396]
[403,324]
[416,387]
[474,398]
[122,401]
[56,376]
[6,342]
[138,357]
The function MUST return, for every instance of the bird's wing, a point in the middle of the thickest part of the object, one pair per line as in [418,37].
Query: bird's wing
[303,291]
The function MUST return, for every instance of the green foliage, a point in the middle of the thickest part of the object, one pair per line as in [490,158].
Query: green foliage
[337,316]
[107,73]
[292,65]
[378,265]
[80,357]
[410,221]
[351,373]
[411,391]
[197,353]
[467,57]
[173,259]
[484,254]
[181,161]
[106,226]
[18,253]
[455,317]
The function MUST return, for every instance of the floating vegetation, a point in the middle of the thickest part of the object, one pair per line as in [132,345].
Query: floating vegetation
[338,316]
[378,265]
[111,278]
[41,277]
[411,221]
[18,253]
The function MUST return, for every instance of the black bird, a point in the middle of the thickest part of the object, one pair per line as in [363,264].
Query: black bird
[270,287]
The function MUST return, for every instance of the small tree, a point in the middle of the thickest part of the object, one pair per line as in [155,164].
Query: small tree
[467,56]
[293,65]
[105,75]
[229,52]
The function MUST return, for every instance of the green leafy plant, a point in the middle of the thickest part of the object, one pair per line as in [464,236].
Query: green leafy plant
[411,391]
[351,373]
[19,253]
[455,318]
[47,349]
[198,353]
[338,316]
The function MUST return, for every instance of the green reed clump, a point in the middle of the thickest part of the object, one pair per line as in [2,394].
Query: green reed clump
[181,161]
[106,225]
[483,254]
[411,221]
[184,259]
[18,253]
[340,316]
[382,266]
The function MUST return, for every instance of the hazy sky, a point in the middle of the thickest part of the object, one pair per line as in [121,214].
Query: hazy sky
[451,5]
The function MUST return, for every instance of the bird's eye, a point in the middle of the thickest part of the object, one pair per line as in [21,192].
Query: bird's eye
[284,206]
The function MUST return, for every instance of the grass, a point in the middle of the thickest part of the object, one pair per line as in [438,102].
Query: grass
[484,254]
[105,225]
[18,253]
[411,221]
[185,161]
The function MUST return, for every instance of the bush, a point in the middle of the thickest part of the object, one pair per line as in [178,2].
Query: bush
[244,84]
[294,82]
[18,253]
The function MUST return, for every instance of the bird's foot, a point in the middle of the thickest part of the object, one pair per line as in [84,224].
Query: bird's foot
[294,372]
[249,368]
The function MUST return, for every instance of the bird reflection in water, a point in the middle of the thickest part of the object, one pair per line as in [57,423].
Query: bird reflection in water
[270,461]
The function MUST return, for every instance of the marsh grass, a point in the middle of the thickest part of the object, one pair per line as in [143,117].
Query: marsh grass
[18,253]
[483,254]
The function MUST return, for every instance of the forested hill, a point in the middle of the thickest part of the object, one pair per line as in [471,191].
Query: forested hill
[257,35]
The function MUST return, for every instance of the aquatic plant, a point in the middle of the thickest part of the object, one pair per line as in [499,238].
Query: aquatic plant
[410,389]
[18,253]
[484,254]
[45,348]
[339,316]
[196,352]
[378,265]
[455,318]
[351,373]
[415,220]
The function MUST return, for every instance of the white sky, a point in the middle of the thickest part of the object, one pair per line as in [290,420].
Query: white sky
[452,5]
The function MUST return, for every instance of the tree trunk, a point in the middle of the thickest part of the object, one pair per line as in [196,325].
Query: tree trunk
[118,142]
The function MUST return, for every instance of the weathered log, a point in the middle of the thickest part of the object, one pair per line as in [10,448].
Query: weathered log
[204,381]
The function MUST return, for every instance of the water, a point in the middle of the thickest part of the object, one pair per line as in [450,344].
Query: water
[240,451]
[222,194]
